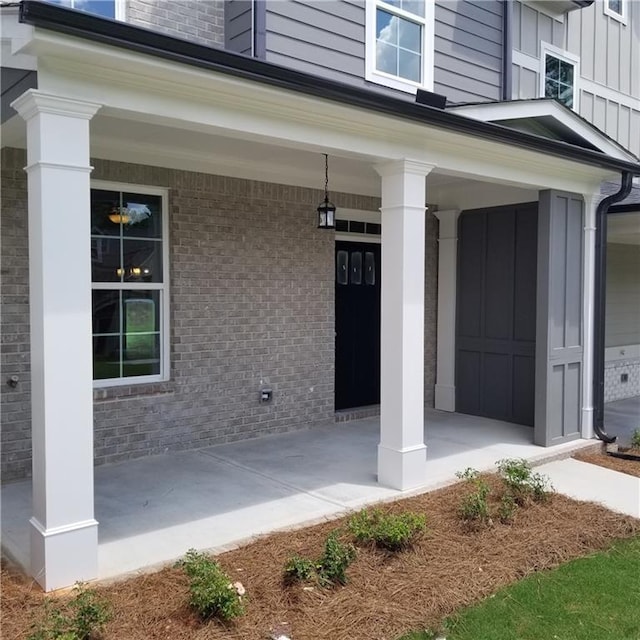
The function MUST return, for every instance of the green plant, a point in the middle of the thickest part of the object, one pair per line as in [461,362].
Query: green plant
[475,507]
[507,509]
[332,566]
[522,483]
[635,439]
[299,569]
[388,531]
[212,594]
[85,615]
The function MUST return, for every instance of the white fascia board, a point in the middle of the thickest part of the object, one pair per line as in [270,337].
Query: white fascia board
[539,108]
[144,88]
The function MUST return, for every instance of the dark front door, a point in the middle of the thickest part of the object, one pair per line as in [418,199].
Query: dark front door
[496,313]
[357,381]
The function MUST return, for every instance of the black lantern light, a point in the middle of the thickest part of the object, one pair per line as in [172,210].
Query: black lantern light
[326,210]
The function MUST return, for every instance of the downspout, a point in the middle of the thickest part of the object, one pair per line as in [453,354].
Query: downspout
[507,50]
[600,304]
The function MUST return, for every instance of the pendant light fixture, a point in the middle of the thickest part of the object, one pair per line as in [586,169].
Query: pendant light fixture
[326,210]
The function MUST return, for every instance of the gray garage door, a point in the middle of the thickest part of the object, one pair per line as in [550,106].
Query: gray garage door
[496,313]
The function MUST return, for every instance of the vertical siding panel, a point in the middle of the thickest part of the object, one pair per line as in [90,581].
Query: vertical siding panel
[515,82]
[634,133]
[559,35]
[623,126]
[573,23]
[600,42]
[516,18]
[587,50]
[529,31]
[528,84]
[545,29]
[599,112]
[586,105]
[634,49]
[612,119]
[627,69]
[614,45]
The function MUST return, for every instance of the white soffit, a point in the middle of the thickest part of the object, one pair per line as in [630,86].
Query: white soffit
[541,108]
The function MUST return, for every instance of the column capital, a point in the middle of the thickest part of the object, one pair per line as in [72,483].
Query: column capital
[33,102]
[448,224]
[404,166]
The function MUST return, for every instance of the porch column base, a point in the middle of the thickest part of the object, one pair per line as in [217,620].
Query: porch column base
[61,556]
[445,397]
[587,423]
[402,469]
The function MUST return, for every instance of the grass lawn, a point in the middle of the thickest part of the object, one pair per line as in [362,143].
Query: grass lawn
[592,598]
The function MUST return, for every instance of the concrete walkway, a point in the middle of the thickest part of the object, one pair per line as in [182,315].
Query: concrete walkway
[583,481]
[153,509]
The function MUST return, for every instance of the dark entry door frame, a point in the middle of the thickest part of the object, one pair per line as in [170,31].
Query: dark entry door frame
[357,323]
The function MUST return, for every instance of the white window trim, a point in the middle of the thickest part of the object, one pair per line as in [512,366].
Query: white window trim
[165,327]
[428,45]
[620,17]
[565,56]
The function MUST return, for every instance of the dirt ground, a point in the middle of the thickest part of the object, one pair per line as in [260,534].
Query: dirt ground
[387,595]
[630,467]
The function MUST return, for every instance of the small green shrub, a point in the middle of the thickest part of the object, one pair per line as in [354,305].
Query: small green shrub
[212,594]
[635,439]
[522,483]
[387,531]
[332,566]
[299,569]
[474,508]
[84,616]
[330,569]
[507,509]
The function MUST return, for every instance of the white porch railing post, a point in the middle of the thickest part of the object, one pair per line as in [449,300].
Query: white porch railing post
[590,205]
[445,392]
[402,452]
[64,533]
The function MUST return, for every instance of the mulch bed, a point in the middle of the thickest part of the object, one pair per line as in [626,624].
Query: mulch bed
[387,595]
[630,467]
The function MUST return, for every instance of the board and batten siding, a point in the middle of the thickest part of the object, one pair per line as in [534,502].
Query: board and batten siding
[238,26]
[622,326]
[609,53]
[468,50]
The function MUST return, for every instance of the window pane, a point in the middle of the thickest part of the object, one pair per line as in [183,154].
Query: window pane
[369,268]
[105,260]
[386,27]
[141,331]
[356,267]
[144,214]
[106,311]
[104,8]
[552,67]
[566,73]
[142,260]
[386,58]
[409,65]
[616,6]
[550,88]
[565,95]
[410,35]
[342,267]
[414,6]
[105,213]
[106,357]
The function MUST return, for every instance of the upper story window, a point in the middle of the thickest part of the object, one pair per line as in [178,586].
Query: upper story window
[616,9]
[129,282]
[559,76]
[399,43]
[113,9]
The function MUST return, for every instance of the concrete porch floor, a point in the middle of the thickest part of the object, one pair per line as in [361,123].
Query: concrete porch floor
[152,510]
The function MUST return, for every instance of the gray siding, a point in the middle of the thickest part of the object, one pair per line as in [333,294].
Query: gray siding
[531,26]
[238,26]
[623,295]
[325,37]
[468,50]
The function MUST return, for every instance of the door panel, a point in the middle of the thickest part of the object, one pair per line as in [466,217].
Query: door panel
[496,303]
[357,378]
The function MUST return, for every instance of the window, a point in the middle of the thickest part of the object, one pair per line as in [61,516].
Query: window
[399,48]
[616,9]
[129,282]
[113,9]
[559,76]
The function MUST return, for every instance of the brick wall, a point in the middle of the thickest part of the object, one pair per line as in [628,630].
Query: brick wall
[199,21]
[252,300]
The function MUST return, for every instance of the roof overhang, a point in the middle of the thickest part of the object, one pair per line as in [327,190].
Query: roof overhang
[158,77]
[547,118]
[559,7]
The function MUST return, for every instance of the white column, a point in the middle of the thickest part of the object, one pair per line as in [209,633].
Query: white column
[589,252]
[64,533]
[445,396]
[402,453]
